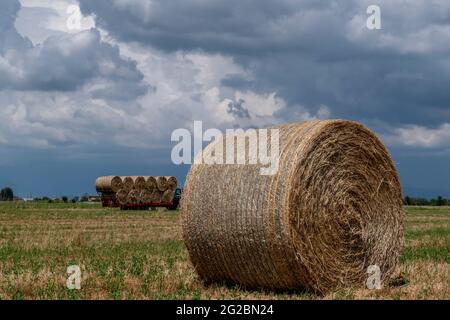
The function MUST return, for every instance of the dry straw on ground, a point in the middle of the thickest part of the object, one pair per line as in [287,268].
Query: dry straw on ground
[333,209]
[109,184]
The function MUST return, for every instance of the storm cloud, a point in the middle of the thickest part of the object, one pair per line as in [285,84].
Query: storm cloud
[64,62]
[310,52]
[143,68]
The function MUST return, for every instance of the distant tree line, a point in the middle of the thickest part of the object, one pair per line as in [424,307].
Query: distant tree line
[64,199]
[6,194]
[439,201]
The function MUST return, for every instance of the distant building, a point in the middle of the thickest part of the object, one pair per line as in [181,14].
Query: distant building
[93,199]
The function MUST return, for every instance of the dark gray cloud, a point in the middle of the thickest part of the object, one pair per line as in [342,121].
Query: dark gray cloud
[319,56]
[310,52]
[235,26]
[72,95]
[9,37]
[64,62]
[237,109]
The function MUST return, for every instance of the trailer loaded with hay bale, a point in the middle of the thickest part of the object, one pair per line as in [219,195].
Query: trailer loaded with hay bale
[108,187]
[330,213]
[139,192]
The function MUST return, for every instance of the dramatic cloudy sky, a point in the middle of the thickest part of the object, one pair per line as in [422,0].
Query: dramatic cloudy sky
[104,98]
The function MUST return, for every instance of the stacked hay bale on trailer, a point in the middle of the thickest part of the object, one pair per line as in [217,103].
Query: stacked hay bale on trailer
[122,197]
[151,183]
[108,187]
[128,183]
[139,183]
[138,191]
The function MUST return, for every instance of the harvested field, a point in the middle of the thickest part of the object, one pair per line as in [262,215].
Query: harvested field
[141,255]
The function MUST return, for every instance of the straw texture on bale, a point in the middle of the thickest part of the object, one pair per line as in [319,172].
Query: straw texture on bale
[122,196]
[161,183]
[108,184]
[139,182]
[171,183]
[134,196]
[128,183]
[167,195]
[150,183]
[333,208]
[146,196]
[157,196]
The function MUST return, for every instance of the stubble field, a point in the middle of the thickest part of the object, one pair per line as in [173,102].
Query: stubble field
[141,255]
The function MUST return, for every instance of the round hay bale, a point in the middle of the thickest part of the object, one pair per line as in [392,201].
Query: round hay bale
[109,184]
[167,195]
[139,182]
[146,196]
[128,183]
[157,196]
[150,183]
[122,196]
[333,208]
[171,183]
[161,183]
[134,196]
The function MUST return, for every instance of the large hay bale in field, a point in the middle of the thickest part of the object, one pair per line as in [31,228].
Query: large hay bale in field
[128,183]
[333,209]
[109,184]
